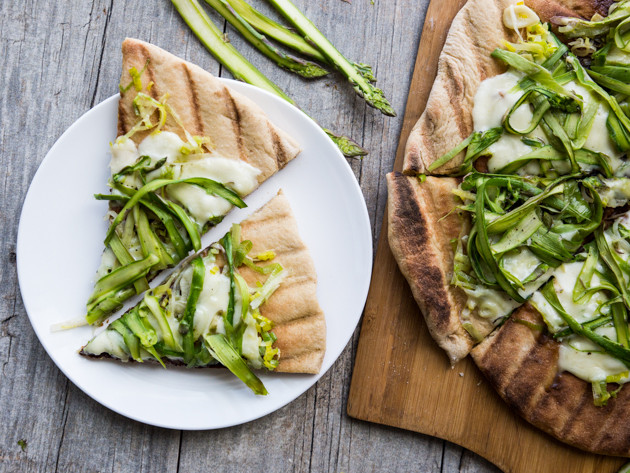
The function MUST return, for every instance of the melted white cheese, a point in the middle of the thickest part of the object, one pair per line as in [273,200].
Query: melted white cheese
[616,193]
[108,261]
[238,175]
[235,174]
[214,298]
[496,96]
[521,264]
[163,144]
[493,99]
[489,303]
[124,153]
[578,355]
[598,139]
[565,278]
[588,365]
[109,342]
[250,344]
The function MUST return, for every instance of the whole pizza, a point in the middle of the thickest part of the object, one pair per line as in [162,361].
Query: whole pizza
[511,219]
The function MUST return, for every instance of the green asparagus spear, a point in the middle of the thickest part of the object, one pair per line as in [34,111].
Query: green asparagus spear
[276,31]
[222,350]
[306,69]
[360,76]
[212,38]
[199,22]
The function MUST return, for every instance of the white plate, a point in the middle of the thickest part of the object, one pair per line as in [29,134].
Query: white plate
[60,242]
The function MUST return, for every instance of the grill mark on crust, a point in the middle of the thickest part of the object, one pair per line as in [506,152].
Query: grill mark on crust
[523,392]
[125,122]
[587,398]
[149,72]
[612,434]
[236,122]
[194,99]
[122,119]
[454,94]
[281,155]
[295,356]
[429,277]
[501,372]
[269,220]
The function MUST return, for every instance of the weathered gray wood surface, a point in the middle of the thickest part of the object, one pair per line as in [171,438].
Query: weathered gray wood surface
[57,60]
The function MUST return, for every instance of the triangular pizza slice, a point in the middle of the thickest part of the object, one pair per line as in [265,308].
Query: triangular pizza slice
[188,149]
[245,302]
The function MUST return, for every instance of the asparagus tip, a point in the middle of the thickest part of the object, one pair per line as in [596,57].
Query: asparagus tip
[348,147]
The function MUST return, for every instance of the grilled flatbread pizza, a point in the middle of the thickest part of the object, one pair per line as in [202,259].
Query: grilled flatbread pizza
[245,302]
[523,255]
[188,150]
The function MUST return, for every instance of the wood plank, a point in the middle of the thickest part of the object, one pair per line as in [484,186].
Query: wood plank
[60,59]
[42,67]
[408,382]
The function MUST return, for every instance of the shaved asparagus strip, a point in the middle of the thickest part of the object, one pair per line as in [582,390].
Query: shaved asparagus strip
[123,276]
[227,355]
[109,304]
[614,349]
[123,256]
[187,323]
[211,187]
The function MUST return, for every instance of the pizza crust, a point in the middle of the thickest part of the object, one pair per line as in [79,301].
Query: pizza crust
[521,363]
[238,128]
[423,226]
[299,321]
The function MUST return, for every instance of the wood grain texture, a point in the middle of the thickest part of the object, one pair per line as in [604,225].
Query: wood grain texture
[409,382]
[61,58]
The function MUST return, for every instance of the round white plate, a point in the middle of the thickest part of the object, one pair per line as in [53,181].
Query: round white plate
[60,240]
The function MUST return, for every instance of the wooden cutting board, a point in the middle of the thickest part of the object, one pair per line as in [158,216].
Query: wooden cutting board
[401,378]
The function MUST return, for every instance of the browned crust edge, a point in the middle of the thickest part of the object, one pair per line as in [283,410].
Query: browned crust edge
[521,364]
[421,225]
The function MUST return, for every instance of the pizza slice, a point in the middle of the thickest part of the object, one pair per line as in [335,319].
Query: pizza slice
[245,302]
[188,149]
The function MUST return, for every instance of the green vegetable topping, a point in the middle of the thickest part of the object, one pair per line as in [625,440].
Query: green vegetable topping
[205,313]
